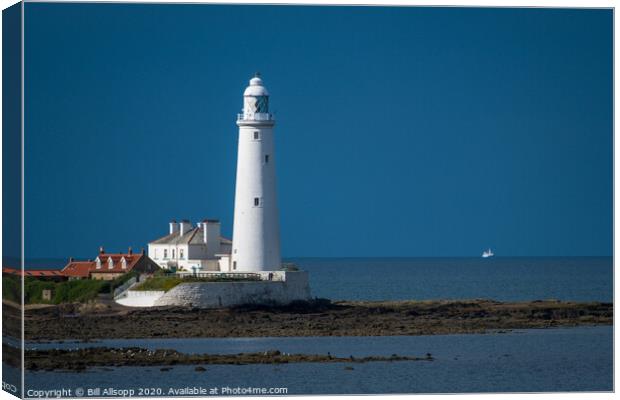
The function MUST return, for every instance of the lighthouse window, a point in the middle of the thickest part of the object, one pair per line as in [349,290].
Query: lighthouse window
[256,201]
[266,158]
[256,135]
[262,104]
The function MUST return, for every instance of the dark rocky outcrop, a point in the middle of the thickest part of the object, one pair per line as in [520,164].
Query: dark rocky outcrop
[315,318]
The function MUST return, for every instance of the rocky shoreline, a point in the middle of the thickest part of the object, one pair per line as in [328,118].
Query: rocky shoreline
[315,318]
[83,359]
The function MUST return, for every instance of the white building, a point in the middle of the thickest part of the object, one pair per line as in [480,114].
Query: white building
[253,256]
[256,229]
[187,248]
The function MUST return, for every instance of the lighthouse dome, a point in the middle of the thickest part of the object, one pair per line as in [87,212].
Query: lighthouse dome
[256,88]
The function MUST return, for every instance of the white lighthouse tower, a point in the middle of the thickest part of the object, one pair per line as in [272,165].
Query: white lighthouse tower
[256,227]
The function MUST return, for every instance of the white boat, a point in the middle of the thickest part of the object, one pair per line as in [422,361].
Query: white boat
[487,253]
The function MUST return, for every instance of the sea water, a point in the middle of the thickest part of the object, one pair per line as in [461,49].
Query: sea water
[533,360]
[498,278]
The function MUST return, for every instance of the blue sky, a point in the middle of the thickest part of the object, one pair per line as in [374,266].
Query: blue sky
[400,131]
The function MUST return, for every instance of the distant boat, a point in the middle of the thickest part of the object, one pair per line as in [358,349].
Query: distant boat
[487,253]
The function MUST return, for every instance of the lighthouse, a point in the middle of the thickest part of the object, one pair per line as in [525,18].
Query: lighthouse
[256,229]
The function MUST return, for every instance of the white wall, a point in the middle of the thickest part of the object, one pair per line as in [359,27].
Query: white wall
[156,253]
[193,255]
[256,229]
[210,265]
[140,298]
[227,294]
[224,263]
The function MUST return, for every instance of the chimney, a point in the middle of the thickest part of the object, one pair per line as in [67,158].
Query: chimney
[101,250]
[142,252]
[70,260]
[211,235]
[174,226]
[129,251]
[184,227]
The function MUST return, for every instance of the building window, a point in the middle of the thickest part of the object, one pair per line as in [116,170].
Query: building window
[181,254]
[110,263]
[172,253]
[266,158]
[165,253]
[234,264]
[256,135]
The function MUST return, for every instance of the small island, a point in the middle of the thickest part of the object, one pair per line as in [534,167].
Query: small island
[83,359]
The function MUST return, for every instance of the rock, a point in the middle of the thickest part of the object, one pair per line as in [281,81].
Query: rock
[367,318]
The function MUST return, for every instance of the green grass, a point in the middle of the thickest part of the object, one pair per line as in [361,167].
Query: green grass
[75,291]
[164,283]
[78,291]
[11,288]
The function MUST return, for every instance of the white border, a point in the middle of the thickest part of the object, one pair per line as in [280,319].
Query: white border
[427,3]
[452,3]
[23,194]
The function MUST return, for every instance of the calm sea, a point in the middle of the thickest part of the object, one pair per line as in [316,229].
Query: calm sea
[565,359]
[499,278]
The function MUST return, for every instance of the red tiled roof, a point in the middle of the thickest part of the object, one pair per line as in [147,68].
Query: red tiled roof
[117,265]
[85,268]
[33,272]
[77,269]
[44,273]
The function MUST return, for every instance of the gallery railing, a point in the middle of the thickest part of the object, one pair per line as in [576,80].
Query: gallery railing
[218,276]
[256,117]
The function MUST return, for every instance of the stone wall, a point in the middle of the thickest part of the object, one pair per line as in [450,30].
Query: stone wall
[294,286]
